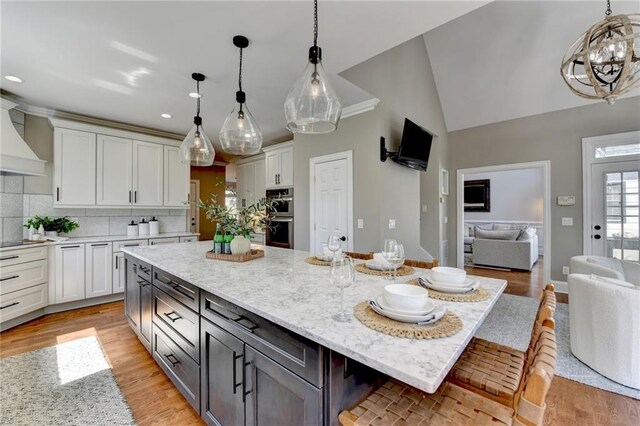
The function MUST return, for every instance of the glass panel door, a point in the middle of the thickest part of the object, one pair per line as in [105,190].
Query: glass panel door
[621,214]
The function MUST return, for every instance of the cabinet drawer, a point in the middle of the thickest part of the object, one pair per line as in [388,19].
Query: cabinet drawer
[117,245]
[179,289]
[13,257]
[22,275]
[169,240]
[17,303]
[182,370]
[178,322]
[296,353]
[143,269]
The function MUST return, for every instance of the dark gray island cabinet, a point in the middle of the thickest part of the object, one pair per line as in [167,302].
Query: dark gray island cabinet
[234,367]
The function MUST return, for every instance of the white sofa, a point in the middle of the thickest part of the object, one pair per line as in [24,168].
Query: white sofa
[504,246]
[606,267]
[604,316]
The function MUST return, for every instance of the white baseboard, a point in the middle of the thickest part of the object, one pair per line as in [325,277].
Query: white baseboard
[561,286]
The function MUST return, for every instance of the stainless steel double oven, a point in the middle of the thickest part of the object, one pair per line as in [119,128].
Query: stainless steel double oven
[280,234]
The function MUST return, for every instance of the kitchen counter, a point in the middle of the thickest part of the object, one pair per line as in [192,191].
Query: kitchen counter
[103,238]
[284,289]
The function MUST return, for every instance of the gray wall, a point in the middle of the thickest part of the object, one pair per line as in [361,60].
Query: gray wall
[359,134]
[555,136]
[403,81]
[516,195]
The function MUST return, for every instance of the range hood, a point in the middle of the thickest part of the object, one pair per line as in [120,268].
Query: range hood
[16,158]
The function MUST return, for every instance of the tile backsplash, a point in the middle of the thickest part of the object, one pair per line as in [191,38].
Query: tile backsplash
[96,222]
[16,207]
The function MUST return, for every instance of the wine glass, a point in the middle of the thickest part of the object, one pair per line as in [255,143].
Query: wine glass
[342,275]
[388,246]
[394,254]
[333,244]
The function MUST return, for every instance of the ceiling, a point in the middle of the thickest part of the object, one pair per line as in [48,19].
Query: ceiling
[132,61]
[502,61]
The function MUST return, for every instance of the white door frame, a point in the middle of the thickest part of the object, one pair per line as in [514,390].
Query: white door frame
[345,155]
[546,211]
[589,146]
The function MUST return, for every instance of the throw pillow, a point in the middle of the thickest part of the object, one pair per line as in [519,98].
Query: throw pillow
[503,226]
[506,234]
[527,233]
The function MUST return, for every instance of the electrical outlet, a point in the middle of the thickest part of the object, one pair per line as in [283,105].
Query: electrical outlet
[567,221]
[566,270]
[360,223]
[392,224]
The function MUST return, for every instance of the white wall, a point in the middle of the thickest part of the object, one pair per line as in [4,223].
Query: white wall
[516,195]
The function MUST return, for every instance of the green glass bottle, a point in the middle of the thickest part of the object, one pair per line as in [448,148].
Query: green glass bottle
[218,240]
[227,242]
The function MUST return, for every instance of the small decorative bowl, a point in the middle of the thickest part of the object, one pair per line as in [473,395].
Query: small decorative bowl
[405,296]
[445,274]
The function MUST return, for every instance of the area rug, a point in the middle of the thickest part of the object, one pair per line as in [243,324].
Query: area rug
[516,332]
[67,384]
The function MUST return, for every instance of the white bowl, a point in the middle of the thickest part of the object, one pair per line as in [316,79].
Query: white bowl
[405,296]
[445,274]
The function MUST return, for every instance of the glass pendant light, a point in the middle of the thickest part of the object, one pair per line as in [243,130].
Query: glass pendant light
[240,134]
[196,147]
[312,105]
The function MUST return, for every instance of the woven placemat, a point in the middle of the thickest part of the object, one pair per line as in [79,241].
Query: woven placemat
[447,326]
[478,295]
[312,260]
[401,271]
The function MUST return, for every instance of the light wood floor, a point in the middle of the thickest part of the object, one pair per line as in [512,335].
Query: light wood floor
[155,401]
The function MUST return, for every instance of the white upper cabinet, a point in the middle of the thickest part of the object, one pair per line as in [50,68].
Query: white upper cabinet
[74,168]
[250,184]
[147,173]
[279,166]
[96,166]
[176,178]
[115,171]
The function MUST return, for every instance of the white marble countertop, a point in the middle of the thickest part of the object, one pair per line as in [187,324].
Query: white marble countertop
[103,238]
[284,289]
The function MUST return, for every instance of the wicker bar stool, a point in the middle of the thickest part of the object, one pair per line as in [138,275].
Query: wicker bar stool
[397,404]
[496,371]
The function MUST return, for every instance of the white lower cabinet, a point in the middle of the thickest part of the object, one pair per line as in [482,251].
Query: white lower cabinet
[69,273]
[22,302]
[98,272]
[118,272]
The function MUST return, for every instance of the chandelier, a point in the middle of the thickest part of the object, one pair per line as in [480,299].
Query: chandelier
[602,62]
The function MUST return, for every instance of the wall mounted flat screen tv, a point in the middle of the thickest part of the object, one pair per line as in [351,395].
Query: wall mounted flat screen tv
[415,146]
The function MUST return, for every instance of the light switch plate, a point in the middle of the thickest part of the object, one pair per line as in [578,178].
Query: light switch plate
[566,200]
[566,270]
[424,208]
[392,224]
[360,223]
[567,221]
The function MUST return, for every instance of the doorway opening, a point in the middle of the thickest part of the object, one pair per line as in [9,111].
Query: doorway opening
[507,225]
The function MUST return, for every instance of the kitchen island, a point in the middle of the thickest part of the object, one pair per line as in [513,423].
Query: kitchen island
[280,291]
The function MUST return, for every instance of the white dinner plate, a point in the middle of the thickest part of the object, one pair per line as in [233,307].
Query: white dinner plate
[452,290]
[324,258]
[468,282]
[434,316]
[372,264]
[425,310]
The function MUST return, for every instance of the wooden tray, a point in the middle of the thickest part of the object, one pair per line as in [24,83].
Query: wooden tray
[34,241]
[250,255]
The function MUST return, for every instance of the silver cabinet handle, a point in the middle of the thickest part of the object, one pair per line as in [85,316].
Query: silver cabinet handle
[172,359]
[173,319]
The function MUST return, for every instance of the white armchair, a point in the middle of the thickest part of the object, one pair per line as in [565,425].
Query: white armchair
[606,267]
[604,322]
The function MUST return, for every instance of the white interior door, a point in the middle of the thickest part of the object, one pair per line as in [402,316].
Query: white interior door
[614,217]
[331,202]
[194,214]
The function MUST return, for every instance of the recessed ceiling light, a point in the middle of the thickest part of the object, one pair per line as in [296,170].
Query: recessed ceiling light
[165,115]
[195,95]
[13,78]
